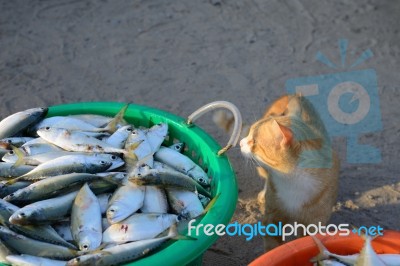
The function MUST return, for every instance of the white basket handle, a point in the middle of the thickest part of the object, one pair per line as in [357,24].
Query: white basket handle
[236,115]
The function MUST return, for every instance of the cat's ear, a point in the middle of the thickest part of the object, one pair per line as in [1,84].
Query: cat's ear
[283,135]
[294,106]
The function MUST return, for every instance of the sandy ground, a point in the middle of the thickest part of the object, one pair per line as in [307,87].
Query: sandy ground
[179,55]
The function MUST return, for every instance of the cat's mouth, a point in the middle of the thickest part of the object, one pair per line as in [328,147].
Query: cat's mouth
[245,148]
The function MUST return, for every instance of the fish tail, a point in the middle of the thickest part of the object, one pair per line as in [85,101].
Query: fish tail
[130,157]
[174,234]
[210,205]
[112,125]
[12,181]
[20,156]
[323,252]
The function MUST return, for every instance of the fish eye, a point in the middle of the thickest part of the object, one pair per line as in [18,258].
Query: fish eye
[11,152]
[11,195]
[85,247]
[22,214]
[102,162]
[129,129]
[113,157]
[201,180]
[112,210]
[139,174]
[9,141]
[47,128]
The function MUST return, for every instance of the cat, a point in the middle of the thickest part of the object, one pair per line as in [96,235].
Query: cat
[293,150]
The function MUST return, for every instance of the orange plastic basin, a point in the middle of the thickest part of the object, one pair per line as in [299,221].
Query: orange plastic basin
[300,251]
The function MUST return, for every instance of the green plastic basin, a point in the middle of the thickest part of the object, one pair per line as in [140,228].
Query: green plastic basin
[201,148]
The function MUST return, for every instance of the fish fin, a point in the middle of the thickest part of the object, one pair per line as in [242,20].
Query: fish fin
[174,234]
[112,125]
[323,252]
[12,181]
[132,161]
[145,158]
[20,156]
[211,203]
[129,156]
[209,206]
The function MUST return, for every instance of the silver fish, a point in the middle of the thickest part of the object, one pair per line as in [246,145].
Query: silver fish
[119,137]
[38,148]
[139,226]
[156,135]
[166,178]
[67,164]
[70,123]
[143,151]
[17,156]
[44,211]
[125,201]
[86,220]
[17,122]
[182,164]
[8,189]
[25,245]
[76,141]
[73,123]
[29,260]
[123,253]
[49,187]
[366,257]
[16,141]
[155,200]
[185,203]
[41,232]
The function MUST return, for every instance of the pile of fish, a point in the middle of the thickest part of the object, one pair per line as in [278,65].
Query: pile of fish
[91,190]
[367,256]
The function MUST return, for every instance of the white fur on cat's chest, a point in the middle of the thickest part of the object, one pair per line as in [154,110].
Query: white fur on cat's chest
[294,190]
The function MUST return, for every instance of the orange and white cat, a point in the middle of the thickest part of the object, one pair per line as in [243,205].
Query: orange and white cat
[294,154]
